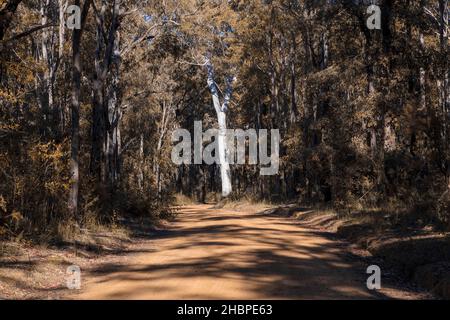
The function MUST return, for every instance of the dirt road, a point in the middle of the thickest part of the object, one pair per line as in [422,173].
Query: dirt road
[223,254]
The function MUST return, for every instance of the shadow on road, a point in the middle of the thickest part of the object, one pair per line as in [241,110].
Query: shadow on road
[213,254]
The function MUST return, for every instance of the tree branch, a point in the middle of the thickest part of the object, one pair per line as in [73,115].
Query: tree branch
[28,32]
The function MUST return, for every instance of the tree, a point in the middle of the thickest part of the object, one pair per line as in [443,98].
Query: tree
[75,127]
[221,111]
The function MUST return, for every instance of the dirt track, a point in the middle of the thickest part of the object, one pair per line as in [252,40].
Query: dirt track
[223,254]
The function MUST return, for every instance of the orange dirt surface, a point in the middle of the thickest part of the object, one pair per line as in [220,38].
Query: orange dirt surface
[209,253]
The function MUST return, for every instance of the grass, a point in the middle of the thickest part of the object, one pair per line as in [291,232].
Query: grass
[183,200]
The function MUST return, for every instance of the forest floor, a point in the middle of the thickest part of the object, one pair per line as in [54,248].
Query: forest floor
[209,253]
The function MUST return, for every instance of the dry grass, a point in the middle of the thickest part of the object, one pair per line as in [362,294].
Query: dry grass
[249,205]
[93,232]
[37,270]
[245,204]
[183,200]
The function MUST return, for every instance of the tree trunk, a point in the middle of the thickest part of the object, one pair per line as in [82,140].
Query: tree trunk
[98,125]
[225,172]
[294,111]
[141,163]
[102,132]
[445,85]
[75,128]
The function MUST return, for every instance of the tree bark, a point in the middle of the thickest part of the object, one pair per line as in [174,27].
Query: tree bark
[225,172]
[75,127]
[102,140]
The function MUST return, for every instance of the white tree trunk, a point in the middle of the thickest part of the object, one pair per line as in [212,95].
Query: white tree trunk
[225,172]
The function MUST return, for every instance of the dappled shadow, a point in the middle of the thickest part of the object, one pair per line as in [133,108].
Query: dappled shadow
[35,272]
[26,265]
[210,254]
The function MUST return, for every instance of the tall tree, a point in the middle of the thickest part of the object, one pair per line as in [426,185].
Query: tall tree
[75,126]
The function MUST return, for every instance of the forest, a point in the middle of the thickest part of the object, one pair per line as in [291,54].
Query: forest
[92,91]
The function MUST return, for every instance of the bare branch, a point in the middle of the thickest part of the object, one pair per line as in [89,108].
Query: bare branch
[28,32]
